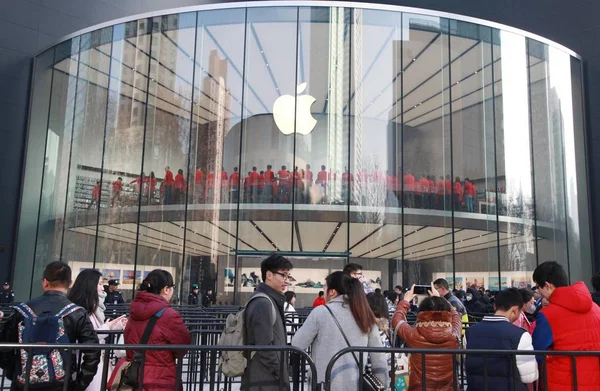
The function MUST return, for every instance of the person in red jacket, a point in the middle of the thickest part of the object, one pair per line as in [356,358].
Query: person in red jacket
[153,298]
[441,189]
[448,193]
[209,187]
[253,182]
[458,194]
[468,196]
[424,186]
[571,321]
[234,185]
[199,185]
[308,183]
[151,183]
[284,185]
[321,181]
[168,183]
[269,184]
[179,187]
[117,188]
[409,190]
[432,192]
[320,300]
[96,195]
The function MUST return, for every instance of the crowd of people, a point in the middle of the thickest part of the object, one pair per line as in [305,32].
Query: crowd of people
[558,317]
[302,186]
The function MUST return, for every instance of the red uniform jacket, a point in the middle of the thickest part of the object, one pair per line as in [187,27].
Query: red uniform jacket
[160,366]
[179,182]
[169,178]
[199,177]
[234,179]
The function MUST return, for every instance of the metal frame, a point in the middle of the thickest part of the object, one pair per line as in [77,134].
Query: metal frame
[304,3]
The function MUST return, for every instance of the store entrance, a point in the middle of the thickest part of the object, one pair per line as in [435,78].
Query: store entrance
[307,277]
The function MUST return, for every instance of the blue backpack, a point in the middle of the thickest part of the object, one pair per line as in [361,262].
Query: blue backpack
[47,365]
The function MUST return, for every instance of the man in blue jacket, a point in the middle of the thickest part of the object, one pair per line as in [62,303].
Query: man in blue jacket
[496,332]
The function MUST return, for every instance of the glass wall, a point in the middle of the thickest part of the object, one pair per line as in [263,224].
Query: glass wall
[419,147]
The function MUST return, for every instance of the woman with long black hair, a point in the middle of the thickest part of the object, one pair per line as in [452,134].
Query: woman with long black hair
[349,308]
[88,293]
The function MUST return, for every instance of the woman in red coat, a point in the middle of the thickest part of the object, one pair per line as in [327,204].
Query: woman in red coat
[154,294]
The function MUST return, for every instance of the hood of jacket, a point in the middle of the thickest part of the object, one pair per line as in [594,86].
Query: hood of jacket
[474,292]
[145,305]
[435,326]
[575,298]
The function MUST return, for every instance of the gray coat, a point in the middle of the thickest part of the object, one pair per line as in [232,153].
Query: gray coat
[266,371]
[321,331]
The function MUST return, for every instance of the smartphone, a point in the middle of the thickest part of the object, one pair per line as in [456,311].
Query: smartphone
[422,289]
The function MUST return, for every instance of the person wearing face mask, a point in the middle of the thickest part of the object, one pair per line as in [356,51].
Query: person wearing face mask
[473,303]
[526,320]
[495,332]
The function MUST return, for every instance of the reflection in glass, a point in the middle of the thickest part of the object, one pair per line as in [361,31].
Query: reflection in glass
[419,147]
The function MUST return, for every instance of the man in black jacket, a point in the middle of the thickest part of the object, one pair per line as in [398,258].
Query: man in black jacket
[265,325]
[56,282]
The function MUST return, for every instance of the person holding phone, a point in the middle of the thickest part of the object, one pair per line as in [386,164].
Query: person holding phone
[438,327]
[88,293]
[355,270]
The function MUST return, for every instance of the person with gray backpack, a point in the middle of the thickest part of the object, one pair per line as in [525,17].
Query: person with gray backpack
[260,322]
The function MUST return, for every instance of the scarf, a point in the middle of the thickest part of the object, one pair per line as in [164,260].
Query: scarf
[101,307]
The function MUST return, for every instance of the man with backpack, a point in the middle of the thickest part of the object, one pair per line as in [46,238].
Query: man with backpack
[265,325]
[50,319]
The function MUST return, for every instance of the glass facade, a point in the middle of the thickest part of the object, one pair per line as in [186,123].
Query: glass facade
[417,146]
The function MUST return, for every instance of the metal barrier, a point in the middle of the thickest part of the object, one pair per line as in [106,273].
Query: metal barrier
[199,369]
[459,372]
[199,360]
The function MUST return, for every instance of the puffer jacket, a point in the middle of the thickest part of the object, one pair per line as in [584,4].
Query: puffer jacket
[160,367]
[434,330]
[570,322]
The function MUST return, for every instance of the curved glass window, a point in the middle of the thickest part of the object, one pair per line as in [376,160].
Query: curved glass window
[417,146]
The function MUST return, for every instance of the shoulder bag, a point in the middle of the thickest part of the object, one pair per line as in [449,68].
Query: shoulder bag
[369,381]
[131,375]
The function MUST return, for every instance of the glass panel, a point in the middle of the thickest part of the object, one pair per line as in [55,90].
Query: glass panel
[426,143]
[546,126]
[322,131]
[270,74]
[87,193]
[475,223]
[215,142]
[34,169]
[513,146]
[576,167]
[56,159]
[375,116]
[123,146]
[161,230]
[308,276]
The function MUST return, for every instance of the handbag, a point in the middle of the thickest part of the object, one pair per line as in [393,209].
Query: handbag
[370,382]
[131,375]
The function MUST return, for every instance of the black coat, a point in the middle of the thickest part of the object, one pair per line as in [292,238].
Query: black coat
[266,370]
[77,325]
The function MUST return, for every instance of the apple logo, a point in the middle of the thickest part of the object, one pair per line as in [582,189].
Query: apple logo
[286,105]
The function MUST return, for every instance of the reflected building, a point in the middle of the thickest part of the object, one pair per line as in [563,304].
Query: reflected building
[448,150]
